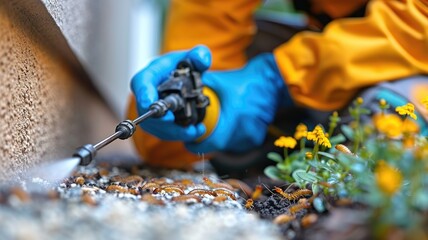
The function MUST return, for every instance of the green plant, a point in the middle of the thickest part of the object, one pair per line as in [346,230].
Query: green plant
[386,169]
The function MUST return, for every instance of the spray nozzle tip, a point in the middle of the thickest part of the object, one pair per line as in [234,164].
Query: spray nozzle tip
[86,153]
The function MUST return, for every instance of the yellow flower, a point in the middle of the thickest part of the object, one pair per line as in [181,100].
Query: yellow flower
[410,126]
[388,178]
[309,155]
[425,102]
[408,109]
[382,102]
[285,142]
[393,126]
[318,136]
[360,100]
[388,124]
[301,131]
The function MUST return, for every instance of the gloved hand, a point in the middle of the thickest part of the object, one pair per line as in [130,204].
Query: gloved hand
[243,104]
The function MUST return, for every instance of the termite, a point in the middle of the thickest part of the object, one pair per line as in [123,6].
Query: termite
[249,203]
[283,218]
[80,180]
[116,178]
[152,200]
[186,198]
[172,185]
[298,207]
[295,195]
[343,148]
[151,186]
[309,220]
[169,189]
[116,188]
[133,180]
[134,191]
[203,192]
[257,192]
[211,184]
[225,192]
[220,198]
[238,184]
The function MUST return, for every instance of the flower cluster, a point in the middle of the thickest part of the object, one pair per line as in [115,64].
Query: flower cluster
[408,109]
[318,137]
[285,142]
[301,131]
[393,126]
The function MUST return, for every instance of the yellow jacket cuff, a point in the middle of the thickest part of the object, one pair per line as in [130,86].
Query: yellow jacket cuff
[212,113]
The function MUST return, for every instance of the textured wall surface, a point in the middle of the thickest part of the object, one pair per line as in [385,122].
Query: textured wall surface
[46,109]
[98,33]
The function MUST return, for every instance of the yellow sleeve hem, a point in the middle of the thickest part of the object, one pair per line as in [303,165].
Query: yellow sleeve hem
[212,114]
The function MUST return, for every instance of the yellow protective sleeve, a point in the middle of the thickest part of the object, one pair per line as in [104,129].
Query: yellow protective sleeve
[325,70]
[226,27]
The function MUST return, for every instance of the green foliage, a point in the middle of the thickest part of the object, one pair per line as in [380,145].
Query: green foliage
[380,172]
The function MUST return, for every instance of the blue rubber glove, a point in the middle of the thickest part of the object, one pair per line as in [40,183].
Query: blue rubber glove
[248,98]
[144,86]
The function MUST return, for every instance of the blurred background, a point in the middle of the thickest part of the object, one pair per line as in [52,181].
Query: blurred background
[115,39]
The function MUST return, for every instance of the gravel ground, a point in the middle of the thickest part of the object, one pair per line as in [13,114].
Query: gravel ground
[112,203]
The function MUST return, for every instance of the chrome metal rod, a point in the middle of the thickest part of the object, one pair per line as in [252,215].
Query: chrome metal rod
[143,117]
[117,134]
[108,140]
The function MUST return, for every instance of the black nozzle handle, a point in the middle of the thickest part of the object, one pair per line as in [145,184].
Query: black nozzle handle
[86,153]
[171,102]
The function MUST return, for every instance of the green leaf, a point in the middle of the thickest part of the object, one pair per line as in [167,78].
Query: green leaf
[301,175]
[276,157]
[339,138]
[273,173]
[283,167]
[327,155]
[347,131]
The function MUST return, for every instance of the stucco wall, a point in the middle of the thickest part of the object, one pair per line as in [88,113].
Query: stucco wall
[47,107]
[98,33]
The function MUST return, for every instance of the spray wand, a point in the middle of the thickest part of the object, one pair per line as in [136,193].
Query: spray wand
[181,94]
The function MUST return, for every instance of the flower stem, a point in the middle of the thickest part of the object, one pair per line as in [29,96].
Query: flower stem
[302,145]
[315,151]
